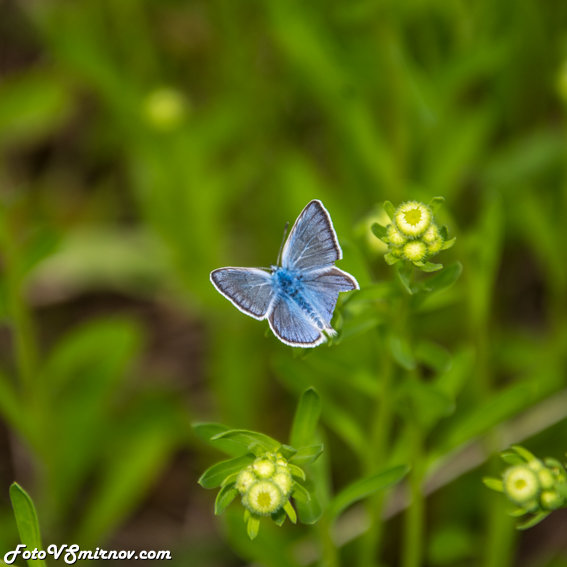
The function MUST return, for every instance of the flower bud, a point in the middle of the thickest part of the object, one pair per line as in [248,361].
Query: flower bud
[413,218]
[521,484]
[264,498]
[415,251]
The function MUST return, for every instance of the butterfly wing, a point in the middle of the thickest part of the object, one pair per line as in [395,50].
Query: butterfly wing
[249,289]
[292,326]
[312,242]
[321,288]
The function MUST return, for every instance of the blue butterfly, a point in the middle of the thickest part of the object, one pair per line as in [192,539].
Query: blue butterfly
[298,298]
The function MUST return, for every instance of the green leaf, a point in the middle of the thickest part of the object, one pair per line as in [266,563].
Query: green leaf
[433,355]
[498,408]
[26,520]
[306,418]
[493,483]
[401,351]
[291,514]
[306,503]
[390,209]
[428,266]
[215,475]
[208,432]
[436,203]
[225,496]
[448,243]
[364,487]
[307,455]
[379,231]
[32,105]
[511,458]
[279,517]
[444,279]
[391,259]
[424,403]
[403,274]
[249,440]
[532,521]
[296,471]
[524,453]
[253,526]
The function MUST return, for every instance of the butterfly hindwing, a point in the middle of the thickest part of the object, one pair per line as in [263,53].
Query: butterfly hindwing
[292,326]
[312,242]
[321,289]
[249,289]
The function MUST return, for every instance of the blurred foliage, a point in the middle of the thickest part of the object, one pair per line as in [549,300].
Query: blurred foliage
[144,143]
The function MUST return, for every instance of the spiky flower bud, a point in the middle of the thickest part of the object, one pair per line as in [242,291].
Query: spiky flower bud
[413,234]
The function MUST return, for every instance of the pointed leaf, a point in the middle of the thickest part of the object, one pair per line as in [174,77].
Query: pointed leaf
[391,259]
[249,440]
[225,496]
[362,488]
[215,475]
[390,209]
[253,526]
[444,279]
[291,514]
[379,231]
[428,266]
[401,352]
[524,453]
[493,483]
[26,521]
[208,432]
[306,418]
[306,503]
[531,522]
[436,203]
[279,517]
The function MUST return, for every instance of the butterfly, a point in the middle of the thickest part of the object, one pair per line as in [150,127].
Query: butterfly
[299,296]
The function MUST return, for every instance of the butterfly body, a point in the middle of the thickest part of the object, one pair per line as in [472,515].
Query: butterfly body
[298,298]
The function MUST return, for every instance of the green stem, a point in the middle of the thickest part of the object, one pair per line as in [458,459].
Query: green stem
[380,434]
[415,514]
[329,552]
[21,322]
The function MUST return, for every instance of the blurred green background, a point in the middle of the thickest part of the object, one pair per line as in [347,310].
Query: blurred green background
[144,143]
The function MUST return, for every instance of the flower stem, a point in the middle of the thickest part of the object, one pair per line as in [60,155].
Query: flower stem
[21,322]
[414,518]
[380,435]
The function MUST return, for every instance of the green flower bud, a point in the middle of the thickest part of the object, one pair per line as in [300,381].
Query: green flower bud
[546,478]
[165,108]
[415,251]
[521,485]
[413,218]
[551,500]
[264,468]
[283,480]
[245,480]
[264,498]
[395,237]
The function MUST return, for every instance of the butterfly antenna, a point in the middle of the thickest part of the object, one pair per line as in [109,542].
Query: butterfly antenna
[283,242]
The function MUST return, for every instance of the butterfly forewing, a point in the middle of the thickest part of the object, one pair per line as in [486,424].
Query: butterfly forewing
[312,242]
[250,289]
